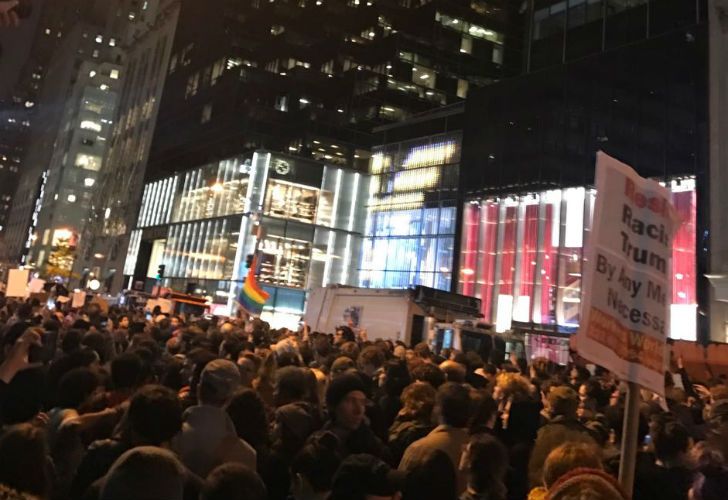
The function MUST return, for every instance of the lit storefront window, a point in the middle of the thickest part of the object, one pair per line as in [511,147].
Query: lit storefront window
[412,214]
[311,219]
[523,257]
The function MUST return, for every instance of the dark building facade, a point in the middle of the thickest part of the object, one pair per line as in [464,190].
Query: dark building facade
[312,77]
[627,78]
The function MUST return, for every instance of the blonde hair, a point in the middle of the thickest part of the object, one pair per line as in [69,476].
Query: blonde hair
[514,386]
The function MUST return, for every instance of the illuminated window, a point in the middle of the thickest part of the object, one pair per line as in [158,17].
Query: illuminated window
[99,39]
[71,198]
[217,70]
[89,181]
[114,74]
[206,113]
[91,125]
[466,45]
[462,91]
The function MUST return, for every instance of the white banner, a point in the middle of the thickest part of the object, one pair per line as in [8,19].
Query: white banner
[625,310]
[17,283]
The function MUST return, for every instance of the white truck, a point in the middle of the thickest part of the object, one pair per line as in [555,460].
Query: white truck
[409,315]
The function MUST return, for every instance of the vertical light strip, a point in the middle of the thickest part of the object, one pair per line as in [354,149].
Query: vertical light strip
[153,203]
[142,211]
[264,184]
[172,198]
[347,261]
[332,234]
[354,199]
[352,212]
[247,207]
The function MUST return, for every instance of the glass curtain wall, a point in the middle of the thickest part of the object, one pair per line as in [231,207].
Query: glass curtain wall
[311,215]
[412,214]
[523,257]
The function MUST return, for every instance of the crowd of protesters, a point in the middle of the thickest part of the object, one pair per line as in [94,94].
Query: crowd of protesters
[118,405]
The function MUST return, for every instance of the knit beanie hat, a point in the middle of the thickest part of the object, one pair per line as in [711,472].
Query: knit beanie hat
[586,483]
[296,419]
[341,386]
[145,473]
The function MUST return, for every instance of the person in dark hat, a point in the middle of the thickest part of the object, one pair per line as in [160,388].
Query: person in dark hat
[365,477]
[346,400]
[294,423]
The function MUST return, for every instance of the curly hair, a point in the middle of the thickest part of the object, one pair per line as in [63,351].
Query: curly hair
[418,400]
[513,385]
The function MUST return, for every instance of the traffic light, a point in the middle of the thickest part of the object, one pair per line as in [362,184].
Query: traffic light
[160,272]
[249,261]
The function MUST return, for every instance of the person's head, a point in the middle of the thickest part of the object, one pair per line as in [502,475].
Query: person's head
[427,372]
[218,381]
[366,477]
[314,466]
[485,462]
[341,365]
[350,349]
[290,385]
[512,386]
[563,401]
[154,415]
[432,476]
[453,404]
[124,322]
[126,371]
[96,341]
[233,481]
[671,441]
[71,341]
[344,334]
[248,369]
[76,387]
[370,360]
[346,400]
[454,372]
[484,411]
[567,457]
[586,484]
[711,473]
[23,460]
[247,411]
[144,473]
[294,423]
[418,401]
[422,350]
[396,377]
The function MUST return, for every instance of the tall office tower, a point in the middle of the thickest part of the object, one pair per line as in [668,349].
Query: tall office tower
[77,94]
[114,209]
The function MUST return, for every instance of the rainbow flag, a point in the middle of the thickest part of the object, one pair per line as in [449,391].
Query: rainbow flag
[252,297]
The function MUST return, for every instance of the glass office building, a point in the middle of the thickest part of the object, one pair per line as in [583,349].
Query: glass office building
[305,218]
[412,213]
[523,256]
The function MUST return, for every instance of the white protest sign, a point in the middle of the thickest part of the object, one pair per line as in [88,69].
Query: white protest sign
[36,285]
[17,283]
[78,299]
[628,276]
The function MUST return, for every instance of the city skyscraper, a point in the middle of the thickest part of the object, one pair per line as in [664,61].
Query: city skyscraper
[74,85]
